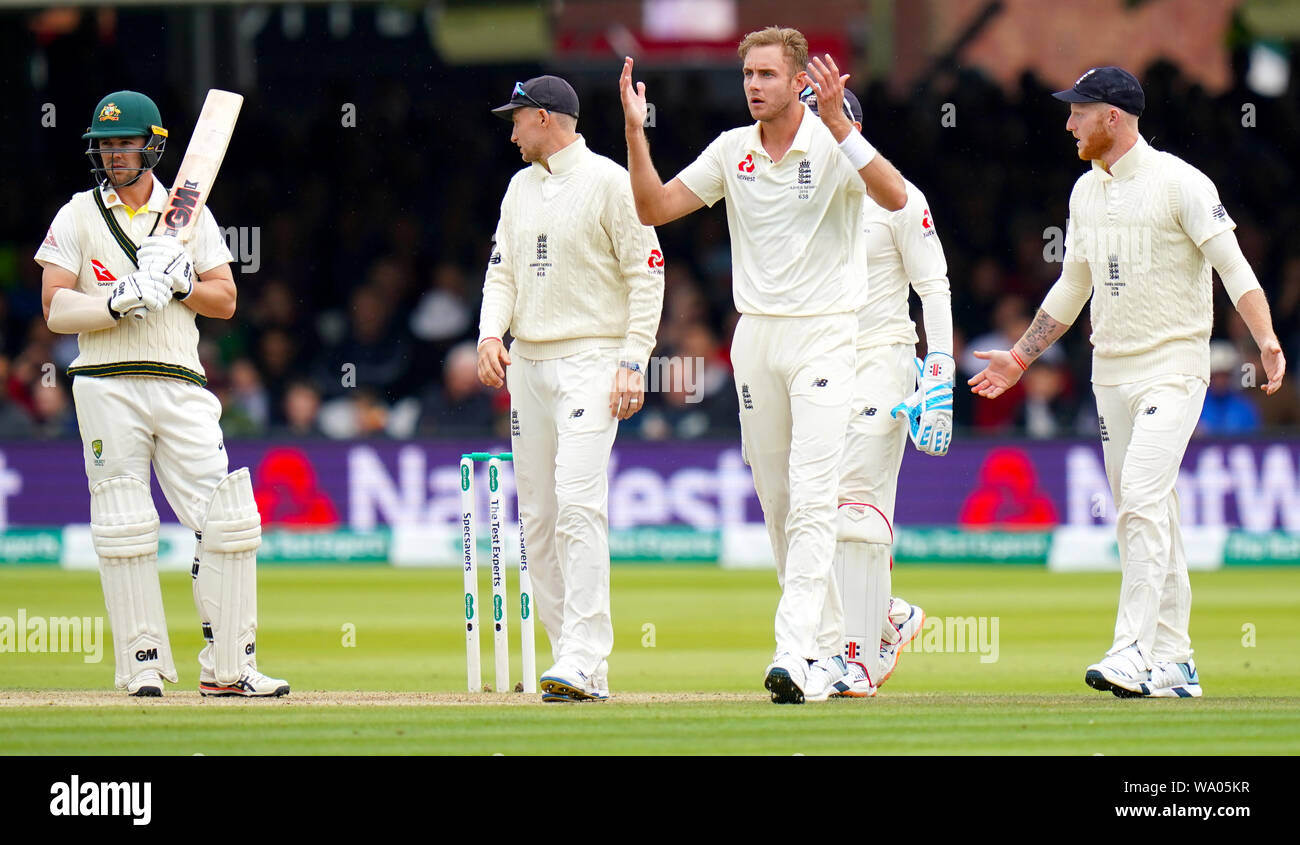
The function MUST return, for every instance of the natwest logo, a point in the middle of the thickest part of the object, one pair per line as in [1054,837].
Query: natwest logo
[746,165]
[656,259]
[925,220]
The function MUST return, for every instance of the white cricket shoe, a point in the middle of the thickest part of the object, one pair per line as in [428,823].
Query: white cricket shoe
[858,684]
[147,683]
[1125,670]
[1168,680]
[251,684]
[566,682]
[600,680]
[786,678]
[826,677]
[907,620]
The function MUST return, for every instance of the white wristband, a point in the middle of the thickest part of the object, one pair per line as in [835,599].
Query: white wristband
[858,149]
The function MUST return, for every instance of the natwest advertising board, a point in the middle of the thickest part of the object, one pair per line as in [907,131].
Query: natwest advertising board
[363,486]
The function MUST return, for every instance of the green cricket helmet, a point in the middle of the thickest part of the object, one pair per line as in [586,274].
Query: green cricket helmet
[126,114]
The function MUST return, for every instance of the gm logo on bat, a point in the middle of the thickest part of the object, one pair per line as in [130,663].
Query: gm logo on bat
[182,207]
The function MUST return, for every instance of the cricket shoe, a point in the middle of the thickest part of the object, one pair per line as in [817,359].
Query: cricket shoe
[251,684]
[826,677]
[907,620]
[564,682]
[786,677]
[857,684]
[1168,680]
[146,684]
[1125,671]
[600,680]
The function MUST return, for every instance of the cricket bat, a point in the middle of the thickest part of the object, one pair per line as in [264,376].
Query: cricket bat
[199,168]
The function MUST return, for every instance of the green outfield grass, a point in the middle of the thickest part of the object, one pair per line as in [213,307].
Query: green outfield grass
[678,630]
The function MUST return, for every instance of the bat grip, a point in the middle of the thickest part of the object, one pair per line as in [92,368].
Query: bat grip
[139,312]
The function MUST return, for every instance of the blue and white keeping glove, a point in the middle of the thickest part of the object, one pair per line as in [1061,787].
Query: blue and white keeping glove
[929,409]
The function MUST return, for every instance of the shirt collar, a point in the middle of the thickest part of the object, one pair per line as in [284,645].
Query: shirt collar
[157,197]
[802,137]
[563,160]
[1128,163]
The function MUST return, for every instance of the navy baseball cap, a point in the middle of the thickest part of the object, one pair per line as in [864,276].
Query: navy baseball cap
[852,108]
[1112,85]
[541,92]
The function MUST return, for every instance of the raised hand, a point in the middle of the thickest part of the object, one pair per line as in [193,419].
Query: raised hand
[634,103]
[828,83]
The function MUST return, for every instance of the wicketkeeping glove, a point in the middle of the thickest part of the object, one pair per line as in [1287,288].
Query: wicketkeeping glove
[929,409]
[166,255]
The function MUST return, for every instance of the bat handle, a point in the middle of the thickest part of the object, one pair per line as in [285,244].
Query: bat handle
[139,312]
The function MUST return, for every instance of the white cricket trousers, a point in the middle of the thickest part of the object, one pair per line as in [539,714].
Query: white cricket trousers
[127,422]
[794,379]
[561,430]
[873,447]
[1145,427]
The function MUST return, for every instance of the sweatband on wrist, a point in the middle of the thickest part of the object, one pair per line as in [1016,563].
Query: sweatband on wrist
[858,149]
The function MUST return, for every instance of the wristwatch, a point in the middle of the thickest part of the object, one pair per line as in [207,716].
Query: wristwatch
[630,365]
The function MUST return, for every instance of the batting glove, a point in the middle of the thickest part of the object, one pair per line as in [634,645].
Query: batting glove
[169,257]
[142,289]
[929,409]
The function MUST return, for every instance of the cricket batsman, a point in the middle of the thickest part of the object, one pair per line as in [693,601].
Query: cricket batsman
[140,400]
[1152,313]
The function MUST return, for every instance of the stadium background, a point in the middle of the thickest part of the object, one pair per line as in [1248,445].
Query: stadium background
[363,184]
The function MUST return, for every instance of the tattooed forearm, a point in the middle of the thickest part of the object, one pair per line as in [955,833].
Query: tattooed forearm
[1042,333]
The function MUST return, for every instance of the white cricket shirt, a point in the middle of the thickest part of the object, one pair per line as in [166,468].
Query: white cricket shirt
[1133,244]
[796,224]
[903,249]
[572,268]
[164,344]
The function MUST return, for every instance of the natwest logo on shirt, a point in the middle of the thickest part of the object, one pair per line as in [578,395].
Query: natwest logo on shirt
[101,272]
[927,224]
[746,165]
[656,261]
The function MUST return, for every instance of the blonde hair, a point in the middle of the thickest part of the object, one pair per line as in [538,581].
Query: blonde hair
[791,40]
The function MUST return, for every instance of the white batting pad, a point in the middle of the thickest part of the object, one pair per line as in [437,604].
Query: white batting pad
[862,551]
[124,526]
[226,584]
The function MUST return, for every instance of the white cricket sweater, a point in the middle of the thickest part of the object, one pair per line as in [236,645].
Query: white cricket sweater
[1134,244]
[572,268]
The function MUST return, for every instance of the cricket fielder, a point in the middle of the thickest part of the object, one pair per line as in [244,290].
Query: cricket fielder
[794,187]
[140,399]
[579,283]
[1145,230]
[902,250]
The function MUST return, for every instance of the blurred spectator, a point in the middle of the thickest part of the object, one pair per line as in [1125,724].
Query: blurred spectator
[54,414]
[459,405]
[247,407]
[691,394]
[1226,411]
[15,422]
[374,348]
[1047,410]
[442,315]
[301,408]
